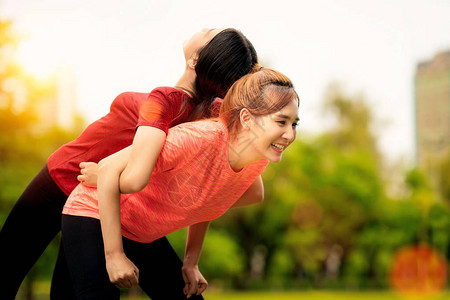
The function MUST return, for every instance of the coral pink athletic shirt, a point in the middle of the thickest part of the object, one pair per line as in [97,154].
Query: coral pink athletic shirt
[192,182]
[116,130]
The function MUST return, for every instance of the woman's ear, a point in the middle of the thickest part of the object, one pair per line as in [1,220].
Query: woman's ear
[192,62]
[245,117]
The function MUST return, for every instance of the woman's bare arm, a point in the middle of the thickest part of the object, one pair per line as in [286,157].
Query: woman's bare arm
[147,145]
[253,195]
[126,171]
[195,283]
[122,272]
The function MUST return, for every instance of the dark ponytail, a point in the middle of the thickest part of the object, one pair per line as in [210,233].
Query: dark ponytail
[222,61]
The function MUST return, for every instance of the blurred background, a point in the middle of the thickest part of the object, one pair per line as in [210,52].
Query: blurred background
[359,207]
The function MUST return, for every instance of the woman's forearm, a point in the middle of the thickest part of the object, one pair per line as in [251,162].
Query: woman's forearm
[194,243]
[194,281]
[109,200]
[147,145]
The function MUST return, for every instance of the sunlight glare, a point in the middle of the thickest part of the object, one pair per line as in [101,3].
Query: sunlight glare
[36,59]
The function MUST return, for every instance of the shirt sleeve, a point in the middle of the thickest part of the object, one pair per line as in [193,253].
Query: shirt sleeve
[157,111]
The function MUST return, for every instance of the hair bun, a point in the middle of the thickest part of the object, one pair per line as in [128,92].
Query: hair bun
[256,68]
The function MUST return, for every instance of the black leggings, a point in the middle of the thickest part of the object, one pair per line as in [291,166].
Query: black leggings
[31,225]
[159,266]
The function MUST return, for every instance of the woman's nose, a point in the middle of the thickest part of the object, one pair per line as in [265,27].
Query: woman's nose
[289,134]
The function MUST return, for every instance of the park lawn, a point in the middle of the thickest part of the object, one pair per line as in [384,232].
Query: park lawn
[317,295]
[42,289]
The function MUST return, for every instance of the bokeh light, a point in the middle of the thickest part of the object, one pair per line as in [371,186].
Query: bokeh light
[418,271]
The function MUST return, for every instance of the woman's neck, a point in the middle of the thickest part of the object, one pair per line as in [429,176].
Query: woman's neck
[187,82]
[240,153]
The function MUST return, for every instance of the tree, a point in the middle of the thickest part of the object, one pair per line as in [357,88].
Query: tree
[23,148]
[444,178]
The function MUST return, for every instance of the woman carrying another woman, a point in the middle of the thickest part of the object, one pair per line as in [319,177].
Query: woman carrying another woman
[215,59]
[202,171]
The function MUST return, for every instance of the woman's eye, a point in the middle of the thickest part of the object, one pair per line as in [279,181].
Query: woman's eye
[281,122]
[294,124]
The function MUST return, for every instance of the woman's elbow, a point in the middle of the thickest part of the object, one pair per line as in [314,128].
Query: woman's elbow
[131,185]
[103,167]
[256,196]
[258,192]
[259,197]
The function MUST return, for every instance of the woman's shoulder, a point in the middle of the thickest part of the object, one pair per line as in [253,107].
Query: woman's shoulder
[169,93]
[164,94]
[208,131]
[128,99]
[207,127]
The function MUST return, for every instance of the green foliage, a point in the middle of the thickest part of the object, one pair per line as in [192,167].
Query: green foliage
[221,259]
[438,226]
[326,220]
[24,143]
[444,178]
[326,216]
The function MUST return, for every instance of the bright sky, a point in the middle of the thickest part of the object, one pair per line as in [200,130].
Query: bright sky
[371,47]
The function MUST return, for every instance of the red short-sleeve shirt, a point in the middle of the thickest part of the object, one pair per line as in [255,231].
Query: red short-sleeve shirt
[116,130]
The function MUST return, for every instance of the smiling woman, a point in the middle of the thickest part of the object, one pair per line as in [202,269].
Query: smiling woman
[203,170]
[268,110]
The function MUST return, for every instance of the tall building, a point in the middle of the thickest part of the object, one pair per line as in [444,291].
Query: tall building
[432,109]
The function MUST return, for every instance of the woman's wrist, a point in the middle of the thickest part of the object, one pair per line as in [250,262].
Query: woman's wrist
[189,264]
[111,254]
[190,260]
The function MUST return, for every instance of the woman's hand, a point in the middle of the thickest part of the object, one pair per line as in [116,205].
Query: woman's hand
[195,283]
[122,272]
[89,172]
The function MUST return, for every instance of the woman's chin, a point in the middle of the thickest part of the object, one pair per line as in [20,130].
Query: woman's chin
[275,158]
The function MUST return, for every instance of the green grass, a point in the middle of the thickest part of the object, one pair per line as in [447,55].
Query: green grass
[42,289]
[313,295]
[317,295]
